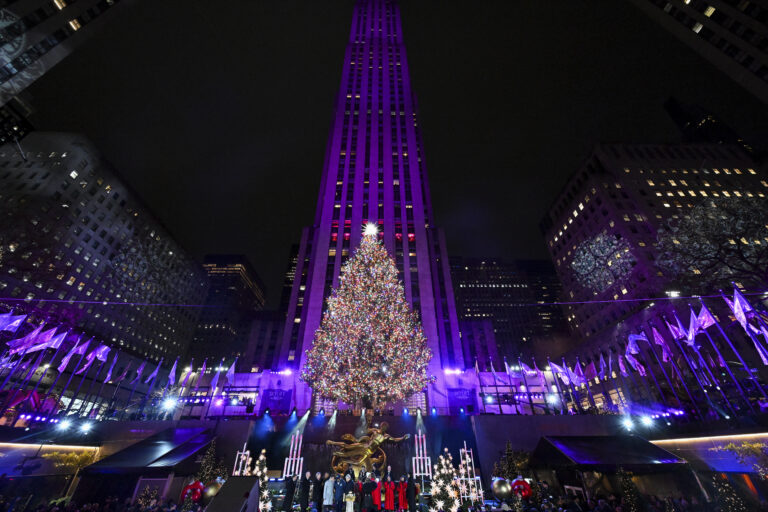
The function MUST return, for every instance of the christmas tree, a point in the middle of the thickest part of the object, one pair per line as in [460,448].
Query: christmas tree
[630,496]
[726,496]
[148,496]
[511,464]
[469,487]
[265,495]
[369,349]
[210,468]
[445,495]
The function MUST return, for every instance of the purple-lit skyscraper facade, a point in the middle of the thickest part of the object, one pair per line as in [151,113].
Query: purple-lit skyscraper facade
[374,171]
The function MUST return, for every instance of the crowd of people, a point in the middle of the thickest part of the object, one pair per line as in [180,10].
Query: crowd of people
[369,492]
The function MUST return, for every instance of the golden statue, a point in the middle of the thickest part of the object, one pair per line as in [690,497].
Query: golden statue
[362,453]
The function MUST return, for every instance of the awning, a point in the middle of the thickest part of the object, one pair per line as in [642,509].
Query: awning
[603,453]
[706,453]
[164,450]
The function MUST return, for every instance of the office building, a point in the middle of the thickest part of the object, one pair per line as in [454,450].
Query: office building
[81,249]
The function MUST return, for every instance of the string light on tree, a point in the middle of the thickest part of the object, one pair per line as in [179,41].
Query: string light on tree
[445,493]
[370,348]
[265,495]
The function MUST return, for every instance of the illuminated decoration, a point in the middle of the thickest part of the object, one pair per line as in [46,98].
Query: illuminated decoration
[265,495]
[445,489]
[364,452]
[602,261]
[369,349]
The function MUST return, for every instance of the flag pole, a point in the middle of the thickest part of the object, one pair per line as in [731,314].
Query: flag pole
[546,386]
[50,363]
[71,375]
[681,376]
[737,353]
[691,367]
[133,390]
[111,403]
[151,387]
[589,390]
[58,376]
[574,393]
[31,372]
[653,376]
[79,386]
[527,389]
[606,394]
[101,388]
[90,387]
[563,402]
[509,378]
[648,338]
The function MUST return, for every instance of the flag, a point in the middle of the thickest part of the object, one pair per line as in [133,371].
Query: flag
[738,309]
[693,329]
[215,382]
[542,378]
[678,332]
[172,373]
[622,367]
[187,373]
[10,322]
[632,347]
[99,353]
[76,350]
[202,372]
[154,372]
[527,369]
[579,373]
[58,340]
[590,372]
[759,346]
[40,342]
[666,354]
[139,371]
[603,367]
[23,343]
[108,376]
[123,375]
[610,364]
[634,363]
[705,318]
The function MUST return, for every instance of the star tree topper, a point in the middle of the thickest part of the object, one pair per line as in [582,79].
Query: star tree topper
[369,349]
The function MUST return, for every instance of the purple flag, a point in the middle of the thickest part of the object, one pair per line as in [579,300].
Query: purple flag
[590,372]
[738,309]
[634,363]
[622,367]
[154,373]
[658,339]
[603,367]
[705,318]
[759,346]
[76,350]
[172,374]
[542,378]
[678,332]
[632,347]
[23,343]
[108,376]
[215,383]
[610,364]
[560,371]
[99,353]
[187,373]
[202,372]
[527,369]
[10,322]
[578,374]
[138,372]
[40,342]
[125,372]
[693,329]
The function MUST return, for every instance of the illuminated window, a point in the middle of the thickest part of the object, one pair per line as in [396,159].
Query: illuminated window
[709,11]
[60,4]
[74,24]
[697,27]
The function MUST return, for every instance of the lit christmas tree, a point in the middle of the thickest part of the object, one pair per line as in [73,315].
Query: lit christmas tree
[726,497]
[445,492]
[630,496]
[265,495]
[369,349]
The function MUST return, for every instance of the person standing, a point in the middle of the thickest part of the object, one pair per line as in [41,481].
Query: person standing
[338,493]
[317,491]
[369,490]
[377,495]
[328,494]
[349,493]
[402,500]
[306,482]
[290,491]
[410,493]
[389,494]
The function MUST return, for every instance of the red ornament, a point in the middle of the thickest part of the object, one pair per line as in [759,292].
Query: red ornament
[194,491]
[521,488]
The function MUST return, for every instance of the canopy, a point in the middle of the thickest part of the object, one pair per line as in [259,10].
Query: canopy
[165,450]
[603,453]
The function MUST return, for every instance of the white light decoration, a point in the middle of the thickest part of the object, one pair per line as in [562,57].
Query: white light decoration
[371,229]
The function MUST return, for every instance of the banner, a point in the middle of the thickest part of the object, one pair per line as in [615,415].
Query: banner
[276,400]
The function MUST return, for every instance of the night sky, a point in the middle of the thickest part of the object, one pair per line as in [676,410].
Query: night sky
[217,113]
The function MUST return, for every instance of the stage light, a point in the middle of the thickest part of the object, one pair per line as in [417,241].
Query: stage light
[64,425]
[293,412]
[233,401]
[219,402]
[434,411]
[405,411]
[461,410]
[85,428]
[628,424]
[646,421]
[552,398]
[169,403]
[322,412]
[267,411]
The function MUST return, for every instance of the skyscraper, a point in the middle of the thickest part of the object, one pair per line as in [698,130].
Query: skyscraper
[73,233]
[37,34]
[602,229]
[514,296]
[374,172]
[235,293]
[729,33]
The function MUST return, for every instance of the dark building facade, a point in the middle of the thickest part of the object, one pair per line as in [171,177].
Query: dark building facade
[37,34]
[73,233]
[731,34]
[602,230]
[235,293]
[516,296]
[264,336]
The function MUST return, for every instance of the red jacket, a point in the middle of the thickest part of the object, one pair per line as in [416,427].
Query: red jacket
[389,495]
[377,495]
[402,501]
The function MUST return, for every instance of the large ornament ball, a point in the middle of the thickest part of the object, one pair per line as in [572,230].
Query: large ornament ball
[212,488]
[501,489]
